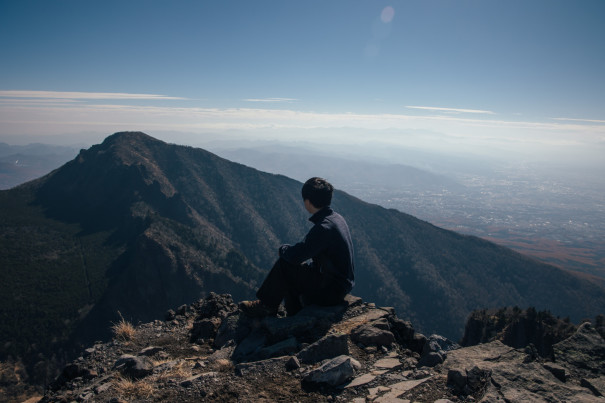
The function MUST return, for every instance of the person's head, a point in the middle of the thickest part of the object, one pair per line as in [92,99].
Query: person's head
[318,191]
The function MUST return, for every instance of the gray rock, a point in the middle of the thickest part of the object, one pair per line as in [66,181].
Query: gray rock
[430,359]
[292,363]
[349,302]
[457,379]
[402,329]
[558,371]
[369,335]
[327,347]
[585,350]
[103,387]
[334,372]
[595,385]
[360,380]
[134,367]
[381,323]
[271,364]
[249,346]
[439,344]
[284,347]
[234,327]
[477,379]
[435,350]
[281,328]
[417,343]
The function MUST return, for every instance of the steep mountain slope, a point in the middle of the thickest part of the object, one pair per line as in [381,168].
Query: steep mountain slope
[136,225]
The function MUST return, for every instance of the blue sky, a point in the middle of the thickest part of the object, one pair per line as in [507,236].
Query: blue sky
[512,75]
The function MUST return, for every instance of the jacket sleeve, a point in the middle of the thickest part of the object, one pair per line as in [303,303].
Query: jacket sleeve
[315,242]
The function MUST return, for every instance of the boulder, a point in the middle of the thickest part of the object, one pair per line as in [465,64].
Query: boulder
[402,329]
[334,372]
[249,346]
[284,347]
[558,371]
[282,328]
[327,347]
[430,359]
[235,327]
[135,367]
[435,350]
[292,364]
[595,385]
[369,335]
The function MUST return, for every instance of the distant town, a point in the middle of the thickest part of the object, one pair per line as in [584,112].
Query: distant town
[544,218]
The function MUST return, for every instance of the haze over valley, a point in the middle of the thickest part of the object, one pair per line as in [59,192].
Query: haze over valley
[553,212]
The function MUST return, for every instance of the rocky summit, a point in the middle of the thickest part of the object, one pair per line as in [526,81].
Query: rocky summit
[355,352]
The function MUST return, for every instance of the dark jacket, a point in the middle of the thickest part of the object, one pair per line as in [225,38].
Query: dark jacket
[329,245]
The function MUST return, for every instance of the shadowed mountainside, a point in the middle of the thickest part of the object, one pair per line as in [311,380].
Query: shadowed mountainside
[136,225]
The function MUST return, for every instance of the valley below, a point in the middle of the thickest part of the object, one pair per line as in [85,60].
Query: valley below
[547,219]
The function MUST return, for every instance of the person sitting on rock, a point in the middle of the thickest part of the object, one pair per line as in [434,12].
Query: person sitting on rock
[318,270]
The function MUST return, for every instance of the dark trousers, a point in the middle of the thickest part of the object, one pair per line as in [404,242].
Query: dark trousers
[297,285]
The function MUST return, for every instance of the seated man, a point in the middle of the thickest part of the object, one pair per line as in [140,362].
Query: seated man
[327,277]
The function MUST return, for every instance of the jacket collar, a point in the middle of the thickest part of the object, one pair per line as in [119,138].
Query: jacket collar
[321,214]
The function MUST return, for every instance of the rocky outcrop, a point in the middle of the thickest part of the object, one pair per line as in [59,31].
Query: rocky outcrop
[353,352]
[517,328]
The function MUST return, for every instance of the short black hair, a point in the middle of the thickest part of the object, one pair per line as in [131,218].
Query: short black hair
[318,191]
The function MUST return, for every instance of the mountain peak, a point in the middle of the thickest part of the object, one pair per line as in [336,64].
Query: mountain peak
[131,137]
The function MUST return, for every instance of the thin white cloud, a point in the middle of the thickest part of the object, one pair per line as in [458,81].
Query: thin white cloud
[455,110]
[53,116]
[271,100]
[580,120]
[260,117]
[83,95]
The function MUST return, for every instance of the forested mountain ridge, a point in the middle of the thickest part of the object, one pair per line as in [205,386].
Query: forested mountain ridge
[138,226]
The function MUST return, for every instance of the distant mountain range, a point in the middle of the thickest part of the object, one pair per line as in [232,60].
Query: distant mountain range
[19,164]
[347,173]
[137,226]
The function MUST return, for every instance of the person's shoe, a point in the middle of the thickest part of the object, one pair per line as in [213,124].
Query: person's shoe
[257,309]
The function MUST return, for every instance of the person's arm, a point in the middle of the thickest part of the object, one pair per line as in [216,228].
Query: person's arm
[311,246]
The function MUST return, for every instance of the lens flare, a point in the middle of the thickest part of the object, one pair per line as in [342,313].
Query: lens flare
[387,14]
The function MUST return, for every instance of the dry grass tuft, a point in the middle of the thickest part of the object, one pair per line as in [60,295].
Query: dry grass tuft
[347,326]
[123,330]
[182,370]
[129,389]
